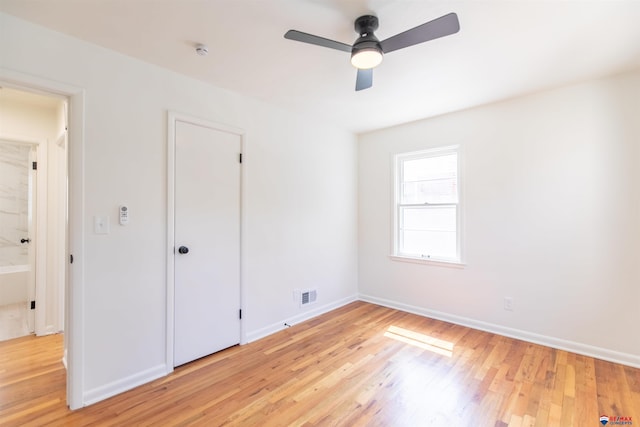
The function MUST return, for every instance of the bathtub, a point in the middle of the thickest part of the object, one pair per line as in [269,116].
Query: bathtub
[14,284]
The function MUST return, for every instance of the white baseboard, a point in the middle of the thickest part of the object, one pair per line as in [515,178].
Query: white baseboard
[306,315]
[116,387]
[108,390]
[557,343]
[104,392]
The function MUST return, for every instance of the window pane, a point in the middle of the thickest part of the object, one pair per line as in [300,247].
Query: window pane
[428,231]
[430,180]
[427,203]
[434,191]
[427,168]
[431,218]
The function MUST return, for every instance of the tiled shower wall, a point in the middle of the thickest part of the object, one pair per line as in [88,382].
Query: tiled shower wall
[14,190]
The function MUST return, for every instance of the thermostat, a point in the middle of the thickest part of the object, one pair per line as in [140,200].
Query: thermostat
[124,215]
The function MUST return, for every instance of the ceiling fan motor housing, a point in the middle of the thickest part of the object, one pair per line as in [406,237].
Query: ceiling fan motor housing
[365,26]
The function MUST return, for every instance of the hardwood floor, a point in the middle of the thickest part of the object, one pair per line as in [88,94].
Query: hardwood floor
[360,365]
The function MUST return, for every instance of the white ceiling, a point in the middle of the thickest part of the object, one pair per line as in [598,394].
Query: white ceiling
[504,48]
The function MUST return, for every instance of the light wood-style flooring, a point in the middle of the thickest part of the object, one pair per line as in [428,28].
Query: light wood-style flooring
[360,365]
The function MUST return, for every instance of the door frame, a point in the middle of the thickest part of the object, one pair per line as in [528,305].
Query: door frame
[74,287]
[172,118]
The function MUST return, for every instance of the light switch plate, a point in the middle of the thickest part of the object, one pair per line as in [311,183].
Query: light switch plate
[101,224]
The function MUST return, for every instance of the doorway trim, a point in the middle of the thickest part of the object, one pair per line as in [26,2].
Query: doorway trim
[74,286]
[172,118]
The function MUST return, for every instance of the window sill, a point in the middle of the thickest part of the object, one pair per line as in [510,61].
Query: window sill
[440,263]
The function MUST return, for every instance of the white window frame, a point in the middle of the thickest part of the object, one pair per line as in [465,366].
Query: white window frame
[397,205]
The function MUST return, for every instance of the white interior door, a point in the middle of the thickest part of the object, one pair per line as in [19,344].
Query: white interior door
[207,241]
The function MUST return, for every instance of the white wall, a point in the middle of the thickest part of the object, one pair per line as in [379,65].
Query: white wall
[57,238]
[299,213]
[552,208]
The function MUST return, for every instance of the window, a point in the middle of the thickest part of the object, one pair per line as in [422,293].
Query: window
[427,205]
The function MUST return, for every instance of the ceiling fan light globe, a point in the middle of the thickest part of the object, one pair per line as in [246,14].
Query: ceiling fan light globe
[365,59]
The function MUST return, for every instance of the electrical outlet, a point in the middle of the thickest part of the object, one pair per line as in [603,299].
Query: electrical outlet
[508,303]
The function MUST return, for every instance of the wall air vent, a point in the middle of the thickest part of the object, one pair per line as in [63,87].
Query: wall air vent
[308,296]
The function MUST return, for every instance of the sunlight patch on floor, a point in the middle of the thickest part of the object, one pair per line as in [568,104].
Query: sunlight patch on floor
[435,345]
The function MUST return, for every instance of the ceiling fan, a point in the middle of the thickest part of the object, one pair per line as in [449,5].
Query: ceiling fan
[367,50]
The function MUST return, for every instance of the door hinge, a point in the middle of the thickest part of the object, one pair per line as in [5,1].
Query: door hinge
[34,166]
[33,305]
[70,258]
[240,313]
[240,157]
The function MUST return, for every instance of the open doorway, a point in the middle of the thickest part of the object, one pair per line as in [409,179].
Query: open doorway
[72,312]
[33,212]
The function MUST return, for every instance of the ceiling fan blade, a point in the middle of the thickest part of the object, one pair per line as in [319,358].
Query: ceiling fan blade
[364,79]
[439,27]
[320,41]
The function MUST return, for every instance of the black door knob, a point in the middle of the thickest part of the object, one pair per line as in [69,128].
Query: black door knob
[25,240]
[183,250]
